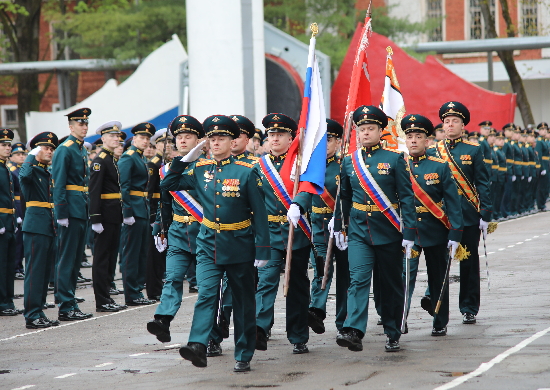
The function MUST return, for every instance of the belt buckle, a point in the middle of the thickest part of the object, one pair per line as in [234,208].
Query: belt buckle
[217,226]
[281,219]
[186,219]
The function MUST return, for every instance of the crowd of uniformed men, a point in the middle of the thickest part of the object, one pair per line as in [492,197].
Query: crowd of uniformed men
[208,198]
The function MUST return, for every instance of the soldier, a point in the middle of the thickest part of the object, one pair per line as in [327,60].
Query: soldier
[18,155]
[229,191]
[438,211]
[439,132]
[473,137]
[497,186]
[105,215]
[322,207]
[470,174]
[117,152]
[38,228]
[134,177]
[70,195]
[508,150]
[280,131]
[255,143]
[375,191]
[544,154]
[484,130]
[181,214]
[534,169]
[526,176]
[518,170]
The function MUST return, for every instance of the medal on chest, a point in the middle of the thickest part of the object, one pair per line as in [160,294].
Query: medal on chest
[231,188]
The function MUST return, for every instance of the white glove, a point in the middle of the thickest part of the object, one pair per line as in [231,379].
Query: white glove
[260,263]
[408,245]
[153,224]
[529,179]
[514,178]
[19,220]
[483,227]
[129,221]
[160,243]
[63,222]
[293,214]
[341,241]
[454,246]
[3,230]
[35,151]
[331,226]
[523,177]
[97,227]
[16,229]
[543,172]
[194,153]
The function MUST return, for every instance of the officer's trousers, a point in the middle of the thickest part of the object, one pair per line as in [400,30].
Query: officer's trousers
[505,208]
[389,257]
[297,300]
[542,191]
[469,295]
[134,258]
[227,308]
[241,279]
[156,267]
[71,241]
[496,194]
[39,256]
[105,257]
[7,265]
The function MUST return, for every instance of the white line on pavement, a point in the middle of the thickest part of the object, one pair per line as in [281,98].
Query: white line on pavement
[490,253]
[519,243]
[538,236]
[511,246]
[172,346]
[65,376]
[104,364]
[501,249]
[528,239]
[139,354]
[484,367]
[24,387]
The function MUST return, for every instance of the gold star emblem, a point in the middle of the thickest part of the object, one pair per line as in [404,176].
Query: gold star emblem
[276,118]
[50,135]
[216,119]
[365,109]
[85,111]
[183,119]
[412,118]
[451,104]
[147,125]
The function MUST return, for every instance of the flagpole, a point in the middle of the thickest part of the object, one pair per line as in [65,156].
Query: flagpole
[297,173]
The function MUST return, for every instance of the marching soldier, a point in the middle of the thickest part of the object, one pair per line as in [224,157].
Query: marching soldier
[438,211]
[70,195]
[484,131]
[228,241]
[526,171]
[375,191]
[181,215]
[544,154]
[134,177]
[105,215]
[508,150]
[497,186]
[280,131]
[38,228]
[18,155]
[518,170]
[469,172]
[439,132]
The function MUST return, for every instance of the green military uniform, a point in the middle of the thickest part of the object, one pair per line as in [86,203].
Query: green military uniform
[526,171]
[508,150]
[518,172]
[534,170]
[229,240]
[183,229]
[485,147]
[433,234]
[7,237]
[38,232]
[375,237]
[498,183]
[544,154]
[70,196]
[468,161]
[14,168]
[134,177]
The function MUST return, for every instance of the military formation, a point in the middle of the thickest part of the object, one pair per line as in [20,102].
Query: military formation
[205,202]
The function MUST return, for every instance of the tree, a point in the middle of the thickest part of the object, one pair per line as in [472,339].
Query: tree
[507,57]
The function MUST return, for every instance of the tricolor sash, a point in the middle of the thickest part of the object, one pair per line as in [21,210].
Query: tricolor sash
[185,200]
[373,190]
[276,182]
[428,202]
[328,199]
[460,179]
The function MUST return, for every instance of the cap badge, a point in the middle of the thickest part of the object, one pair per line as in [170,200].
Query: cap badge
[5,132]
[412,118]
[147,125]
[183,119]
[85,111]
[216,119]
[216,127]
[451,104]
[115,128]
[235,118]
[276,117]
[365,109]
[276,125]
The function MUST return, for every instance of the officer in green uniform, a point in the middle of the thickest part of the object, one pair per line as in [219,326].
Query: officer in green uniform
[280,130]
[526,171]
[38,228]
[181,227]
[375,191]
[229,239]
[8,228]
[439,214]
[508,150]
[544,154]
[18,155]
[472,179]
[497,186]
[484,131]
[70,196]
[518,171]
[134,177]
[534,170]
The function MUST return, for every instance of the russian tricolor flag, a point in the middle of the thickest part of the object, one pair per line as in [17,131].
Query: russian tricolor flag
[313,121]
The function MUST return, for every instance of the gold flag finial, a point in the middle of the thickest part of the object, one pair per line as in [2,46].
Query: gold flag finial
[389,50]
[314,29]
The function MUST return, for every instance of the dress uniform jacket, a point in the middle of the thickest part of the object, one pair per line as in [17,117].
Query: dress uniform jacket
[134,179]
[7,240]
[153,188]
[486,150]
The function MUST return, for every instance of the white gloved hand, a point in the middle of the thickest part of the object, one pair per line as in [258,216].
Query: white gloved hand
[35,151]
[543,172]
[19,220]
[483,227]
[16,229]
[331,226]
[152,224]
[293,214]
[63,222]
[260,263]
[97,227]
[129,221]
[194,153]
[408,245]
[453,245]
[160,243]
[341,241]
[523,177]
[514,178]
[3,230]
[529,179]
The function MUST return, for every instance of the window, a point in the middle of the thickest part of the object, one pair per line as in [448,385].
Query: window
[529,18]
[9,116]
[477,24]
[435,12]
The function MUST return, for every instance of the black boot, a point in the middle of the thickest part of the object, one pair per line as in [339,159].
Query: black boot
[160,327]
[195,353]
[315,320]
[213,349]
[261,339]
[351,339]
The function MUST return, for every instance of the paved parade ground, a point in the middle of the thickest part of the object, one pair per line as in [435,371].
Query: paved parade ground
[508,348]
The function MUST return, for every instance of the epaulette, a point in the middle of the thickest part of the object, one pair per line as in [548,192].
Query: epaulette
[470,143]
[155,159]
[130,152]
[431,147]
[349,154]
[13,168]
[244,164]
[393,150]
[102,155]
[205,162]
[254,158]
[68,142]
[439,160]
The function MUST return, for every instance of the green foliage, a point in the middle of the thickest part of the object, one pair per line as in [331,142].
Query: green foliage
[119,29]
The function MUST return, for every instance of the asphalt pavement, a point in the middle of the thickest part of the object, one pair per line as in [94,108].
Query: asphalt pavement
[508,348]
